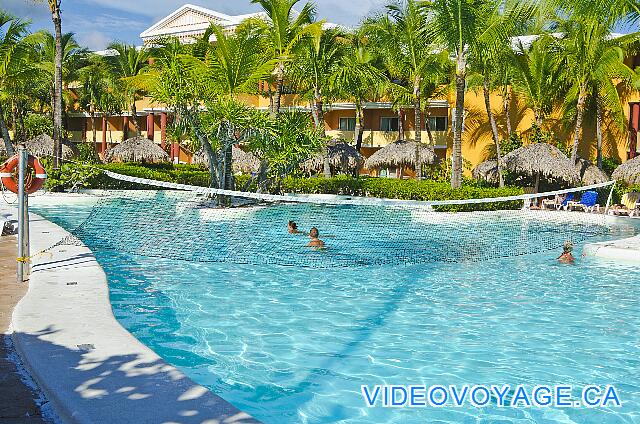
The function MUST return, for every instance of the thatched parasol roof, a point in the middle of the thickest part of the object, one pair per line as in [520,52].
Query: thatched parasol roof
[487,171]
[136,149]
[42,146]
[243,162]
[400,153]
[342,157]
[628,172]
[591,174]
[544,160]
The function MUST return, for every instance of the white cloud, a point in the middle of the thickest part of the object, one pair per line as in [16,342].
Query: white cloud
[94,40]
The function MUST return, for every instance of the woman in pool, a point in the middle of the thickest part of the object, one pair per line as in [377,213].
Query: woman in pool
[567,254]
[315,241]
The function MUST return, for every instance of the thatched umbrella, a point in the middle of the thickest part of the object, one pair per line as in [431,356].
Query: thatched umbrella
[42,146]
[628,172]
[541,160]
[399,154]
[342,157]
[242,162]
[590,174]
[487,171]
[136,149]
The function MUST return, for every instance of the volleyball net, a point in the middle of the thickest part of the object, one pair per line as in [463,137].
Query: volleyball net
[187,223]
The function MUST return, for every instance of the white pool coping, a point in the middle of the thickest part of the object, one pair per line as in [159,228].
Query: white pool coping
[625,250]
[90,368]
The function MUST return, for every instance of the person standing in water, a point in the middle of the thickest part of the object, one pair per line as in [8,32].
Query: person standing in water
[315,240]
[292,227]
[567,254]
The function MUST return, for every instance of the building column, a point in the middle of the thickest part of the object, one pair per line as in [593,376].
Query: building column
[150,126]
[634,126]
[104,134]
[163,129]
[125,127]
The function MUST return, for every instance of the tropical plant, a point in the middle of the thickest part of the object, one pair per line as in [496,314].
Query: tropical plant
[411,58]
[357,78]
[315,63]
[127,62]
[14,66]
[285,29]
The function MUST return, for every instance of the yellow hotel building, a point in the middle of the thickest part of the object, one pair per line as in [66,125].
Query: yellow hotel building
[380,121]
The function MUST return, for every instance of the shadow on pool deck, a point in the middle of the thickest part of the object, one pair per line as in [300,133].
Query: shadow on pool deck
[121,388]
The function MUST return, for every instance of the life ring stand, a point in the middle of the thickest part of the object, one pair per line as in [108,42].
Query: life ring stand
[33,183]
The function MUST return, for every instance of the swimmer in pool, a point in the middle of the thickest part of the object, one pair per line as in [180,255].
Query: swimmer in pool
[315,241]
[293,228]
[567,254]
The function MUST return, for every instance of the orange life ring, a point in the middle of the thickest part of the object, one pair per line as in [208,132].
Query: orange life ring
[9,177]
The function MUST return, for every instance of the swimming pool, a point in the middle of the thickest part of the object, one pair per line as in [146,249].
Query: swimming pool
[294,344]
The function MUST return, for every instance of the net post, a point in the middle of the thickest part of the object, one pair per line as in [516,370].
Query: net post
[23,217]
[606,210]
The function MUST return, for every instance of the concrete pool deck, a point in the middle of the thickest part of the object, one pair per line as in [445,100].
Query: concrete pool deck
[89,367]
[19,403]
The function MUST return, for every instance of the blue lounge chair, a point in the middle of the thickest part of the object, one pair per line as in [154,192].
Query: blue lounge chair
[588,202]
[567,200]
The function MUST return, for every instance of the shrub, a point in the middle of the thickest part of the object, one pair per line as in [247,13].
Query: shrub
[35,125]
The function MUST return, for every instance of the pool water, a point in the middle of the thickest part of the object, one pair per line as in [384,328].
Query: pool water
[295,344]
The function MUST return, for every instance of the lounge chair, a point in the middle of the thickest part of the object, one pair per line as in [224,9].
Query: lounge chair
[632,203]
[588,202]
[558,203]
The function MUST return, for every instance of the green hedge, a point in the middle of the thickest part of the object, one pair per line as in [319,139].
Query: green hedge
[182,174]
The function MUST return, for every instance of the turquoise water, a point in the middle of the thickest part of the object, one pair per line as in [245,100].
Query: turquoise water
[294,344]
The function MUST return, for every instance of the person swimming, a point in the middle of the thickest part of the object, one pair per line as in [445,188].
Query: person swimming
[315,240]
[293,228]
[567,254]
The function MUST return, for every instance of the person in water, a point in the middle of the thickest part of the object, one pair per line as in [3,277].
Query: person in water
[315,240]
[293,228]
[567,254]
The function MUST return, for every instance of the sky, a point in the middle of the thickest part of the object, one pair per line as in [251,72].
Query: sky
[98,22]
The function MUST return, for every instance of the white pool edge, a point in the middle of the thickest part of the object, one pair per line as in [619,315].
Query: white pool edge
[117,379]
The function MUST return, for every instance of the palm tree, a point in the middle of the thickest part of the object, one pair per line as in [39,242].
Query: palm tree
[285,30]
[73,59]
[410,56]
[357,79]
[128,62]
[490,54]
[12,65]
[592,59]
[315,63]
[463,27]
[54,8]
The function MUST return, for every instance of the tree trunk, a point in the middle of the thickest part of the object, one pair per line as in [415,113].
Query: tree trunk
[279,86]
[417,109]
[4,131]
[580,116]
[400,124]
[427,125]
[494,126]
[358,130]
[507,111]
[314,115]
[599,116]
[326,164]
[94,130]
[14,119]
[57,101]
[134,117]
[456,157]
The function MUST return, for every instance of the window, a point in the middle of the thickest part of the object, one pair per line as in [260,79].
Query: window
[389,124]
[438,123]
[347,124]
